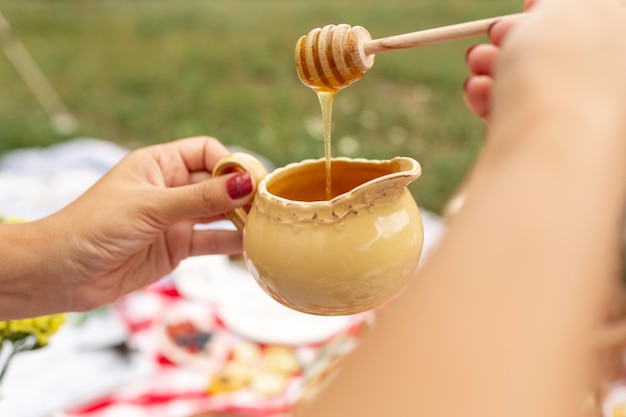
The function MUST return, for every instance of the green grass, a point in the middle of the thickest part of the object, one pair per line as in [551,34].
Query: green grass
[141,72]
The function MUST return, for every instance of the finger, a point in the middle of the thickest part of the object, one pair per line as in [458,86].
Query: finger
[208,198]
[209,242]
[481,59]
[209,219]
[199,153]
[478,95]
[499,30]
[197,177]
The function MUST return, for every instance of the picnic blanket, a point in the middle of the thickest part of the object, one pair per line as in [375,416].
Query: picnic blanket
[203,339]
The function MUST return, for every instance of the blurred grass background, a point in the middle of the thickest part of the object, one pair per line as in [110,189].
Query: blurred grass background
[138,72]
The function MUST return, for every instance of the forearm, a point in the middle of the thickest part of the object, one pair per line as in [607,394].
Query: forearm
[542,221]
[31,281]
[498,322]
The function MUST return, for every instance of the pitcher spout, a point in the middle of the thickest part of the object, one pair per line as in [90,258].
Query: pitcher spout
[389,181]
[406,167]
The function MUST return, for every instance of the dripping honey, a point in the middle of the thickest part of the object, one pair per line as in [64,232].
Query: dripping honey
[326,88]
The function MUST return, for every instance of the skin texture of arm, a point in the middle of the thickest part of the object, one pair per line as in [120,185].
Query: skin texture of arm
[502,318]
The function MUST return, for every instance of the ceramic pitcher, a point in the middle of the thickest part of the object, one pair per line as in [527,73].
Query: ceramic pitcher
[340,256]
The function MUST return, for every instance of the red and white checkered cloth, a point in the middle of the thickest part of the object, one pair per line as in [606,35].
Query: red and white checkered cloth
[178,390]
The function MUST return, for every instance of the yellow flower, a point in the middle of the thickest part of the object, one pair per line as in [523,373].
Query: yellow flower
[56,322]
[41,327]
[19,326]
[42,339]
[41,322]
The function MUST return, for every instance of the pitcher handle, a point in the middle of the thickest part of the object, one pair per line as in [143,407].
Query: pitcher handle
[237,162]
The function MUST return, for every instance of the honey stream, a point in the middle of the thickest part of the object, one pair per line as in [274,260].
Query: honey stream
[326,98]
[326,80]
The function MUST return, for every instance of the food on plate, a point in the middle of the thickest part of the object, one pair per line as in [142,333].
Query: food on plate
[187,336]
[264,370]
[233,377]
[281,360]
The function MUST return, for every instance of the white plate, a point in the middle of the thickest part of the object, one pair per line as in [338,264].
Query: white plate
[248,311]
[201,278]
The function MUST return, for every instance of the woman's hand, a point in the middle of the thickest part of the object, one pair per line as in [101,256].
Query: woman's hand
[481,59]
[138,222]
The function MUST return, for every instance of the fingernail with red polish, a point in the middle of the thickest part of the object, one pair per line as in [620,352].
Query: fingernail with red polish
[469,50]
[466,82]
[490,28]
[239,185]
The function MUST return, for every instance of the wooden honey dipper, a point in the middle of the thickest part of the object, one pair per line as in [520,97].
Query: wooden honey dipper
[333,57]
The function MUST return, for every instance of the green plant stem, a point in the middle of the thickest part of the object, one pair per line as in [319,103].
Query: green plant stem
[17,346]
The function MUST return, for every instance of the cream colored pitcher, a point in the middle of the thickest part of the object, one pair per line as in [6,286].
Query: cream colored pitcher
[330,257]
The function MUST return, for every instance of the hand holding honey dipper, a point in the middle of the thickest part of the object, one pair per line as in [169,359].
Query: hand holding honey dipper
[550,180]
[333,57]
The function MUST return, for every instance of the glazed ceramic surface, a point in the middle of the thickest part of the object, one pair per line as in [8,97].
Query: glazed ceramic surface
[332,257]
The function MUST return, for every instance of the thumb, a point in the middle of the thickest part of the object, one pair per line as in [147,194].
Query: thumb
[209,198]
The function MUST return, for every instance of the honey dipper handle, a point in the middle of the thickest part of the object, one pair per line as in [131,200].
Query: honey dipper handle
[432,36]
